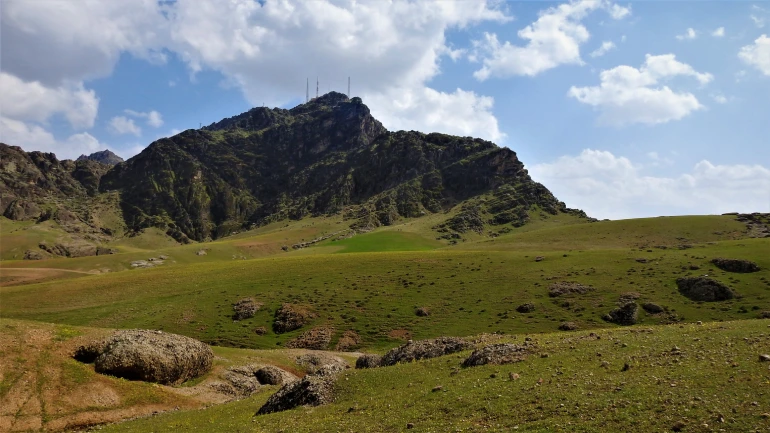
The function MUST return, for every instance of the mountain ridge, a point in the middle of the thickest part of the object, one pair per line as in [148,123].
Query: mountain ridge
[327,156]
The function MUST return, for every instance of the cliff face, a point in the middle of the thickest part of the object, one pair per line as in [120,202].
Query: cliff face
[328,156]
[105,157]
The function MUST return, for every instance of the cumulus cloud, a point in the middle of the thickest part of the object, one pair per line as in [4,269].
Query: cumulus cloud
[554,39]
[759,16]
[124,125]
[757,54]
[460,112]
[718,33]
[610,186]
[603,49]
[153,118]
[629,95]
[31,136]
[33,101]
[690,34]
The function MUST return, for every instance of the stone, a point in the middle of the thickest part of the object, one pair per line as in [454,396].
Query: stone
[245,309]
[315,339]
[735,265]
[704,289]
[625,315]
[271,375]
[497,354]
[290,317]
[368,360]
[525,308]
[152,356]
[313,390]
[424,349]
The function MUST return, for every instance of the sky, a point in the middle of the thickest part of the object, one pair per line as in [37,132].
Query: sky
[622,109]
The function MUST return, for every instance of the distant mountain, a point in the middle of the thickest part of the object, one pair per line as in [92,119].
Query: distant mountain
[105,157]
[328,156]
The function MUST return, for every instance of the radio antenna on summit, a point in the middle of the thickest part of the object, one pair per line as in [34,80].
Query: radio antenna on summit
[307,90]
[316,87]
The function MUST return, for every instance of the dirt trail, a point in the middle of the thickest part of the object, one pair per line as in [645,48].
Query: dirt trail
[48,269]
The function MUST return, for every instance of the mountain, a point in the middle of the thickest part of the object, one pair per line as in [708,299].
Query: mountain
[328,156]
[105,157]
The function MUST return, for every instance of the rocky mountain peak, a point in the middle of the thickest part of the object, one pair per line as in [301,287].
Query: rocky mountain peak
[104,157]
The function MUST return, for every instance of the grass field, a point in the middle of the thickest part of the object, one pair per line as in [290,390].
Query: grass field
[714,382]
[372,283]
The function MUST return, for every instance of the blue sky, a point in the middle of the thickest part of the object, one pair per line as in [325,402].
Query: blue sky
[670,117]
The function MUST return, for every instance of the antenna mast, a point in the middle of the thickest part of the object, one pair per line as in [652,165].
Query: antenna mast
[316,87]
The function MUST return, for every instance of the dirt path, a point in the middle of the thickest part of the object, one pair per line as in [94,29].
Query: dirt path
[48,269]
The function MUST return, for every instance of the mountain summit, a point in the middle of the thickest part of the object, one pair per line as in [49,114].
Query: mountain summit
[327,156]
[105,157]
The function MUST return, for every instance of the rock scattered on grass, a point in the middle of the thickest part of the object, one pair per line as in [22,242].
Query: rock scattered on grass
[704,289]
[735,265]
[242,380]
[313,390]
[566,288]
[315,339]
[568,326]
[290,317]
[627,297]
[422,312]
[526,308]
[625,315]
[368,360]
[313,362]
[150,356]
[260,330]
[652,308]
[245,309]
[764,358]
[498,354]
[424,349]
[764,315]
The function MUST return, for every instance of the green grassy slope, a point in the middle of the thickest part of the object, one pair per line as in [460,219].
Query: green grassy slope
[467,292]
[713,382]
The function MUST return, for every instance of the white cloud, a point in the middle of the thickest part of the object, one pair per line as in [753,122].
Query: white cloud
[124,125]
[628,95]
[34,137]
[720,99]
[603,49]
[718,33]
[33,101]
[554,39]
[380,45]
[58,41]
[460,113]
[757,54]
[690,34]
[153,118]
[759,16]
[609,186]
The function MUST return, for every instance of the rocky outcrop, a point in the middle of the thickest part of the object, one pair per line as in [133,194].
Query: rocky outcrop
[290,317]
[704,289]
[504,353]
[567,288]
[624,315]
[424,349]
[245,309]
[316,339]
[313,390]
[368,360]
[105,157]
[151,356]
[735,265]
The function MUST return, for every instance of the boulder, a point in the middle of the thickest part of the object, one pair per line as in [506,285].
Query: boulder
[625,315]
[651,308]
[526,308]
[503,353]
[242,379]
[245,309]
[567,288]
[568,326]
[735,265]
[290,317]
[153,356]
[33,255]
[368,360]
[316,339]
[313,362]
[424,349]
[349,341]
[313,390]
[422,312]
[704,289]
[270,375]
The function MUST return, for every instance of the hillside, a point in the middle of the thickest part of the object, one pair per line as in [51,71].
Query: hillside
[323,158]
